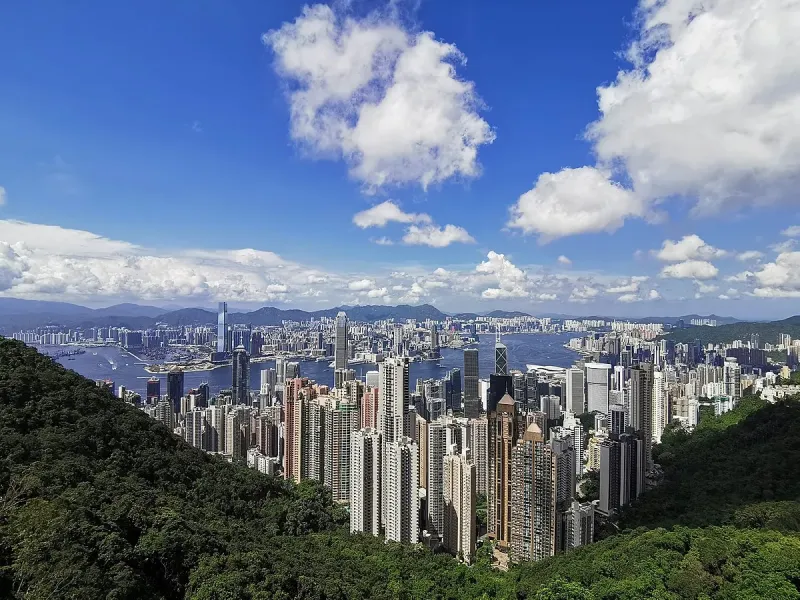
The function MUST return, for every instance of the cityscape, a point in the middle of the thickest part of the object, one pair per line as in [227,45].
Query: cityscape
[529,460]
[400,300]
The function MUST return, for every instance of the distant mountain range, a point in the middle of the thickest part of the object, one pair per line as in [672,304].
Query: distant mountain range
[16,314]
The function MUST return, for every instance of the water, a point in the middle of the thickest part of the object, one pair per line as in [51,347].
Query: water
[119,366]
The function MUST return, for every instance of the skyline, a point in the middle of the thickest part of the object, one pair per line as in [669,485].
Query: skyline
[368,153]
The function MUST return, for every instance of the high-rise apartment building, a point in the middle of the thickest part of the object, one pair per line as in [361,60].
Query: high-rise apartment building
[193,427]
[165,413]
[640,418]
[437,448]
[459,534]
[660,406]
[341,419]
[579,525]
[478,444]
[365,481]
[472,401]
[402,491]
[341,350]
[610,481]
[732,379]
[303,435]
[502,437]
[393,407]
[533,510]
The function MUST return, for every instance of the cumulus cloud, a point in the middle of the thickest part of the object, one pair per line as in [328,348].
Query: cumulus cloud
[583,294]
[627,298]
[779,279]
[436,237]
[690,247]
[387,212]
[563,260]
[792,232]
[361,285]
[386,100]
[653,295]
[750,255]
[573,201]
[707,110]
[741,277]
[690,269]
[630,285]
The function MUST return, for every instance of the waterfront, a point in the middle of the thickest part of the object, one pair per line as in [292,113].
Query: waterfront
[114,363]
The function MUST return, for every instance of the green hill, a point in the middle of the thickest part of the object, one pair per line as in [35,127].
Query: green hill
[100,501]
[723,334]
[745,457]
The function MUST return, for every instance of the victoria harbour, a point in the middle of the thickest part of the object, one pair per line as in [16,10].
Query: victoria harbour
[114,363]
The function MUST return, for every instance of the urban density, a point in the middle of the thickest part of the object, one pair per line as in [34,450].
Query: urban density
[506,456]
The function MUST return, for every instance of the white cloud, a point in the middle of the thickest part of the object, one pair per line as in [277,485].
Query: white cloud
[378,293]
[386,100]
[563,260]
[741,277]
[573,201]
[361,285]
[383,241]
[709,108]
[705,288]
[792,232]
[583,294]
[750,255]
[779,279]
[545,297]
[387,212]
[3,195]
[630,285]
[784,246]
[436,237]
[627,298]
[690,247]
[653,295]
[690,269]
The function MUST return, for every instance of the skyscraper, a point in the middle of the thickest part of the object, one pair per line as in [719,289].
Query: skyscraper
[153,390]
[341,419]
[640,417]
[533,511]
[402,493]
[500,357]
[437,448]
[340,351]
[459,498]
[222,328]
[575,391]
[597,379]
[240,376]
[472,402]
[659,414]
[175,388]
[478,444]
[732,378]
[610,481]
[365,481]
[395,398]
[502,437]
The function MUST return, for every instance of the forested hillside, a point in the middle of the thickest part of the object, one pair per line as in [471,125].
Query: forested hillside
[99,501]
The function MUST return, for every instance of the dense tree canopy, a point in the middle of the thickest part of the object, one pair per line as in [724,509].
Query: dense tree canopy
[99,501]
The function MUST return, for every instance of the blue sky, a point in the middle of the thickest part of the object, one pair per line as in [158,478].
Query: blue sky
[181,156]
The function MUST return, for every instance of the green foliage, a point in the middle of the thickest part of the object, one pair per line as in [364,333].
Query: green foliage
[724,334]
[99,501]
[590,486]
[746,456]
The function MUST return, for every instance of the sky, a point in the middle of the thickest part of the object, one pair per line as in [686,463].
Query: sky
[615,158]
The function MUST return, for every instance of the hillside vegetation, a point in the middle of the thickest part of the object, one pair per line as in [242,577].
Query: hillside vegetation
[99,501]
[723,334]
